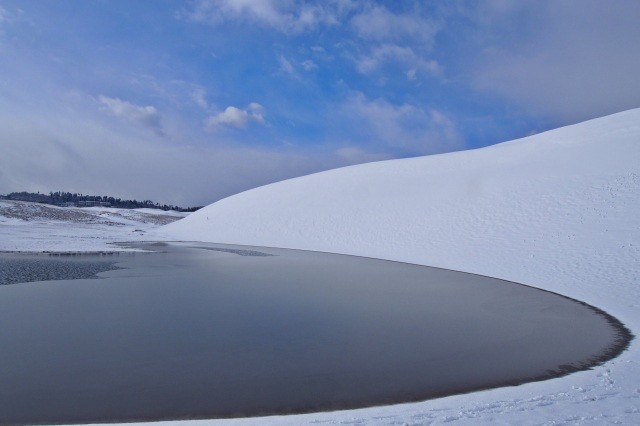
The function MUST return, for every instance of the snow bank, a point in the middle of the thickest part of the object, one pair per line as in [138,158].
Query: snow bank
[33,227]
[559,210]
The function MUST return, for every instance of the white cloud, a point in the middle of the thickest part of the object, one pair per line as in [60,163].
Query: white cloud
[292,67]
[397,38]
[236,117]
[286,65]
[405,127]
[380,24]
[285,16]
[308,65]
[147,116]
[394,54]
[199,96]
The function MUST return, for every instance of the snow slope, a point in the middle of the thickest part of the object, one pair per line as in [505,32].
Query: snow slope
[559,210]
[26,226]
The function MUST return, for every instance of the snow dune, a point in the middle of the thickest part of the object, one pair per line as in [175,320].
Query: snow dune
[559,210]
[561,206]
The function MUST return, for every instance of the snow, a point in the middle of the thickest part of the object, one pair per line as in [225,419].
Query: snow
[26,226]
[558,211]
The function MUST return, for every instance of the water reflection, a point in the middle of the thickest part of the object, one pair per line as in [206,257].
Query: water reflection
[216,331]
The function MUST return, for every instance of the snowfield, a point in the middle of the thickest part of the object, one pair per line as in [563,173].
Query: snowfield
[559,211]
[37,227]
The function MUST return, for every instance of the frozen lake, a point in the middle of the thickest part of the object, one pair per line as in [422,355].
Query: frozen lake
[206,330]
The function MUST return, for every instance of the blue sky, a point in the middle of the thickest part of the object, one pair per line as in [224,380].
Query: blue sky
[188,102]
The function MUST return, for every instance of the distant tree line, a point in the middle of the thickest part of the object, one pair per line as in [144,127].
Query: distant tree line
[80,200]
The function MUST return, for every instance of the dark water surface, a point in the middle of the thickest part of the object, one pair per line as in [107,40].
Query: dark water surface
[202,331]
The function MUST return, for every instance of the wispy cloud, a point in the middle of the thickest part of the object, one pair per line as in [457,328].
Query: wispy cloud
[308,65]
[199,97]
[6,18]
[394,54]
[396,38]
[286,66]
[407,128]
[147,116]
[296,68]
[288,17]
[236,117]
[11,15]
[378,23]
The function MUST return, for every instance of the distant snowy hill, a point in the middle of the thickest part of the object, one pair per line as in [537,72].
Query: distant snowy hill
[26,226]
[559,210]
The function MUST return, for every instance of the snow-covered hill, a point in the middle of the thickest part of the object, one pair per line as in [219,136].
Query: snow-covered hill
[559,210]
[26,226]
